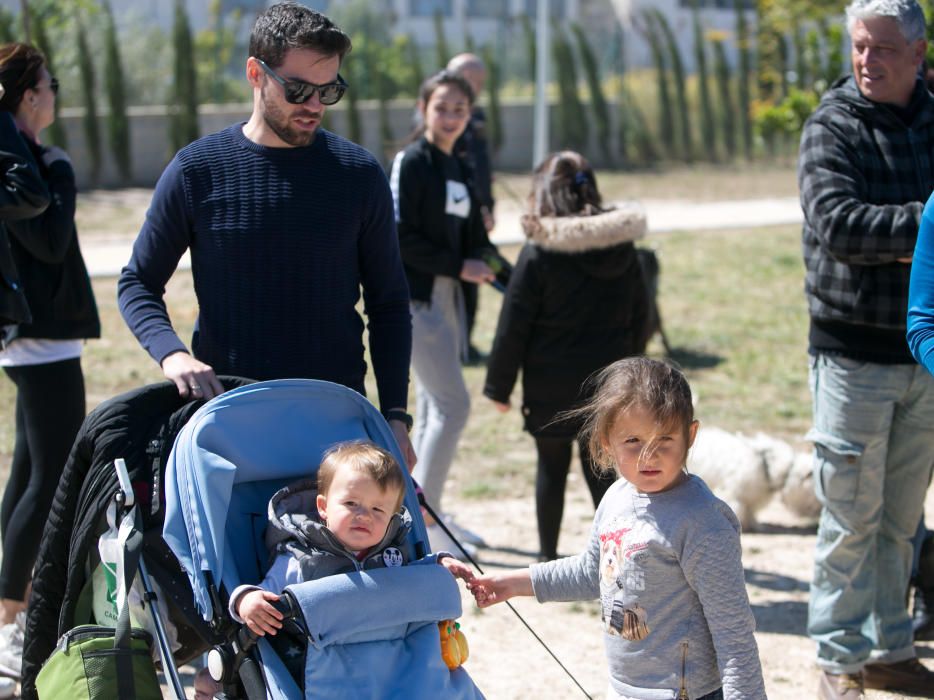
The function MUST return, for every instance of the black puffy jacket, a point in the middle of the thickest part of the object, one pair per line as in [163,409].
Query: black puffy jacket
[140,426]
[576,302]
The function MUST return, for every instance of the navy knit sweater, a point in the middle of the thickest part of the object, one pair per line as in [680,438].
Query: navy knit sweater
[281,241]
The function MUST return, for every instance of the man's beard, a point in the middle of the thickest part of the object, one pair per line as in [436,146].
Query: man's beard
[277,120]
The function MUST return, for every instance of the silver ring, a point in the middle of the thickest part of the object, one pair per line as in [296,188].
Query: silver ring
[195,387]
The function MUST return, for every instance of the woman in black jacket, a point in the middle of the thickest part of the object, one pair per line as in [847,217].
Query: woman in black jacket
[23,195]
[41,357]
[576,302]
[441,237]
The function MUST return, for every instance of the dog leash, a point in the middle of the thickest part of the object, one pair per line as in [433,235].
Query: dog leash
[431,512]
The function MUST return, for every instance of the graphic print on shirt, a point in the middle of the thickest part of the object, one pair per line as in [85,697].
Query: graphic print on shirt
[458,199]
[392,556]
[622,581]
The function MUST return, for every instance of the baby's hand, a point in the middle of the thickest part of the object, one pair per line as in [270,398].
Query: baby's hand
[457,568]
[255,610]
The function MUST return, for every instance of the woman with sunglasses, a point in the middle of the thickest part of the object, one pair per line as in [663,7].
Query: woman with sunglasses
[42,357]
[442,238]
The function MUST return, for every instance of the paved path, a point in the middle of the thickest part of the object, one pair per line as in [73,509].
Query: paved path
[106,255]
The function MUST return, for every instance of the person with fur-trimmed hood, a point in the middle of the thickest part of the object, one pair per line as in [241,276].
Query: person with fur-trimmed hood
[575,303]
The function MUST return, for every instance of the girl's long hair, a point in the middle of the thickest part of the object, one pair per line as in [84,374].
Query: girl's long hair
[564,184]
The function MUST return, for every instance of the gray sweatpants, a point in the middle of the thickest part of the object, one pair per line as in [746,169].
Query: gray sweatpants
[442,401]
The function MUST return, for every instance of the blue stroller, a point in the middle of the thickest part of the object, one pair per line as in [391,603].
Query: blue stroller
[370,634]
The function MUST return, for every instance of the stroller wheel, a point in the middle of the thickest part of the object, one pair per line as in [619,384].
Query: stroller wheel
[219,665]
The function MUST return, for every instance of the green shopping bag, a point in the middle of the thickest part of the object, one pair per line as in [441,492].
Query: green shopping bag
[93,662]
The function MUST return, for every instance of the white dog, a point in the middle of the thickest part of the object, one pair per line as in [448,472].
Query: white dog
[747,471]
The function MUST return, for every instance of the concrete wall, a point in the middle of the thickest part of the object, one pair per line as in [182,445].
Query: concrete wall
[149,134]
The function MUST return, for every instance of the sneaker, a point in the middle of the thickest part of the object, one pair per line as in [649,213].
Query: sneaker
[11,647]
[910,677]
[7,688]
[840,686]
[440,542]
[462,533]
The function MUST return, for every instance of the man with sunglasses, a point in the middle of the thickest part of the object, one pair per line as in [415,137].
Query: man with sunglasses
[285,222]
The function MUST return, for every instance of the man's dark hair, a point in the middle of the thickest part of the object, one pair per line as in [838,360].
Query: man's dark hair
[288,25]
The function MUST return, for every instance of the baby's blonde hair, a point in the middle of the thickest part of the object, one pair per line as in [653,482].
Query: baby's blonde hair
[366,458]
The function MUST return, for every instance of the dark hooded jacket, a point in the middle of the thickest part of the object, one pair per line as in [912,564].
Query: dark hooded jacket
[49,262]
[576,302]
[23,194]
[865,171]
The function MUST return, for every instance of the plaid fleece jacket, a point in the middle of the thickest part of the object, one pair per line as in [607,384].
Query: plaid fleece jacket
[864,178]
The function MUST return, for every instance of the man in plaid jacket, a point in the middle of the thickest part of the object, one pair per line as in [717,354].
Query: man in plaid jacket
[866,168]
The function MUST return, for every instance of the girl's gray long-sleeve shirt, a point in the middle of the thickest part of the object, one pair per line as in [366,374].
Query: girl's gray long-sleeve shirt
[667,568]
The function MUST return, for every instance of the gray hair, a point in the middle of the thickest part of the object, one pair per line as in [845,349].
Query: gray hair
[907,13]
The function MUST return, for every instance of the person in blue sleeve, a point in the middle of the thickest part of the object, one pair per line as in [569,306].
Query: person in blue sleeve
[285,222]
[921,341]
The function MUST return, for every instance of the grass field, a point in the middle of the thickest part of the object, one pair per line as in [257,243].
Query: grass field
[731,301]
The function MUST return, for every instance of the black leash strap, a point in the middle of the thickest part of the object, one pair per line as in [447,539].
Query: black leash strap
[431,512]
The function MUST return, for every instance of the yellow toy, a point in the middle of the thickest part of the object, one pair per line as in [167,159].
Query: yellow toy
[454,649]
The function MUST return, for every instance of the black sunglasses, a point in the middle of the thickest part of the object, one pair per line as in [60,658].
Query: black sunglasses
[298,92]
[53,85]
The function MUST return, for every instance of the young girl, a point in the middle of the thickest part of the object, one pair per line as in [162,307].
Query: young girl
[441,236]
[576,302]
[664,555]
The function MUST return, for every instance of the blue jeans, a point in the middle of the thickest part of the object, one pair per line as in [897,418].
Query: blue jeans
[873,440]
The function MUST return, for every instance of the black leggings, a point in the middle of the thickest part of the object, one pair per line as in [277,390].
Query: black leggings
[554,462]
[49,411]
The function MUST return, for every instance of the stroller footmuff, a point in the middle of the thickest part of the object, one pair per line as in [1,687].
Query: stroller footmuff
[368,633]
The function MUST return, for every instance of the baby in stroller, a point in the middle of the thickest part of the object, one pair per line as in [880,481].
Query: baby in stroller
[368,627]
[353,520]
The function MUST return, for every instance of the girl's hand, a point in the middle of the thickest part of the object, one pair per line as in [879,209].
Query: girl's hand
[457,568]
[476,271]
[495,588]
[255,610]
[500,406]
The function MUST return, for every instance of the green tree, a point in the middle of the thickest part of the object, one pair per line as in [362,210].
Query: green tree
[38,21]
[441,43]
[183,127]
[118,126]
[834,39]
[7,23]
[494,117]
[708,130]
[801,61]
[214,48]
[666,134]
[727,108]
[351,100]
[598,104]
[745,72]
[681,93]
[572,121]
[89,88]
[815,62]
[415,66]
